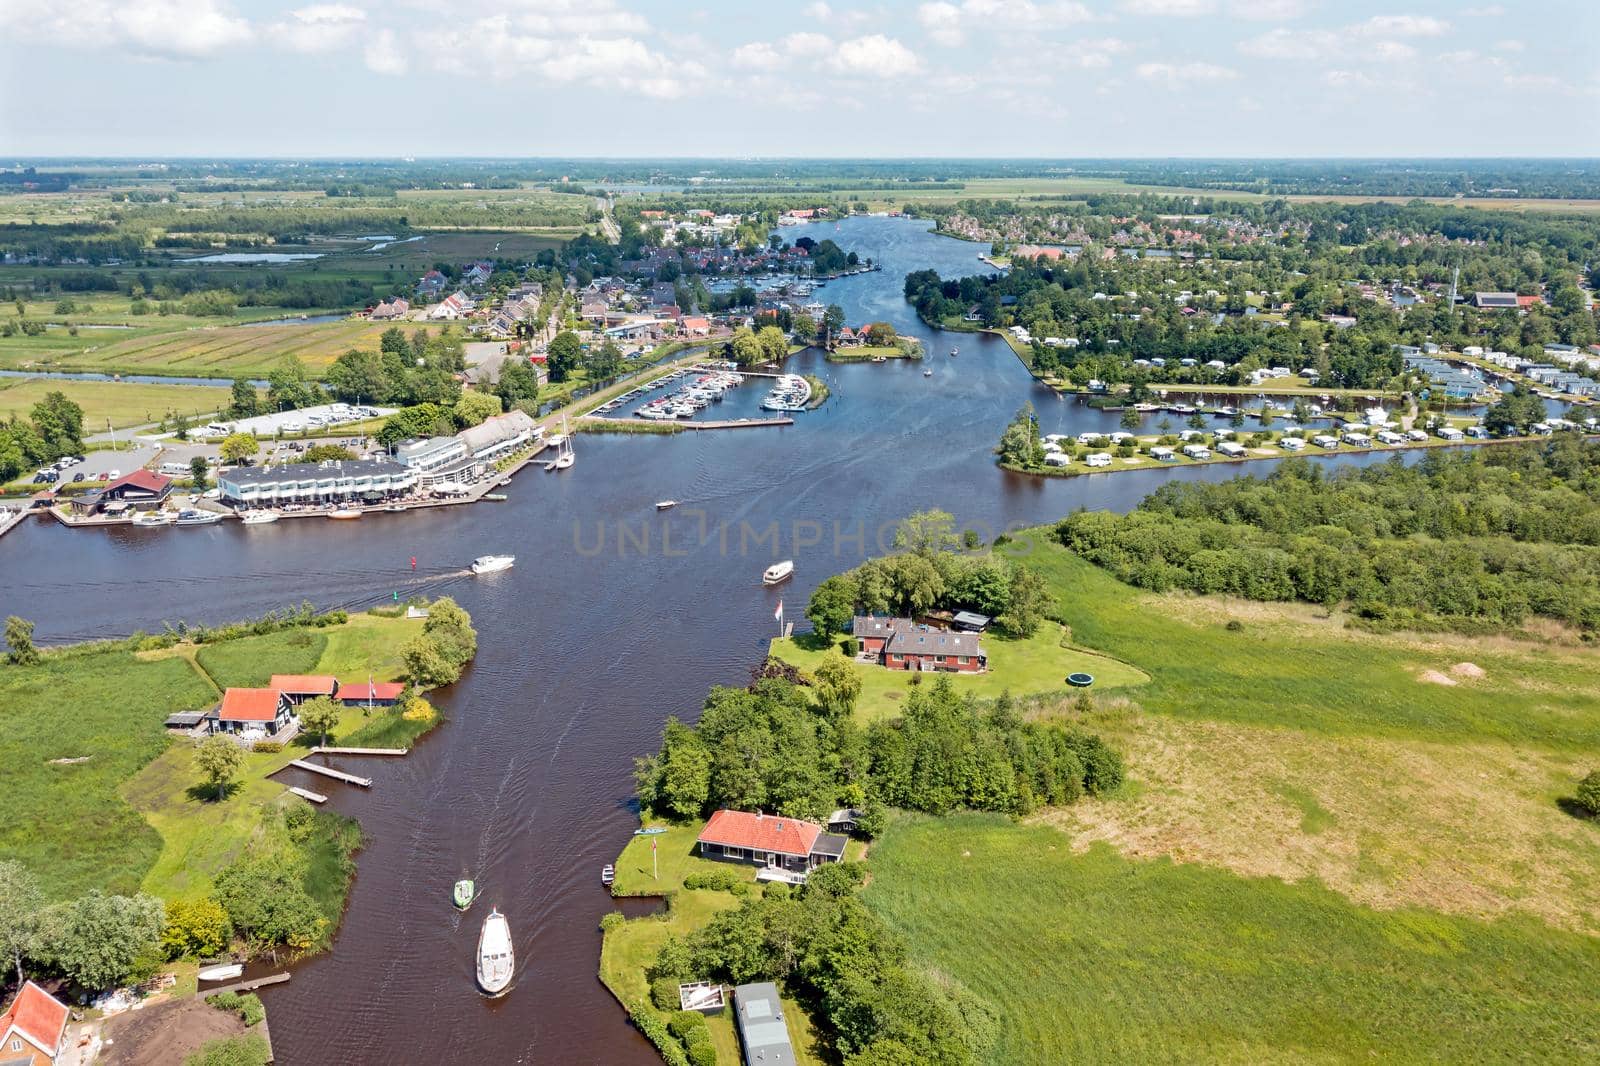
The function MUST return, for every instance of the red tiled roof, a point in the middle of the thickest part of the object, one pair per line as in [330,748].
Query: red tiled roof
[249,705]
[761,832]
[36,1015]
[380,690]
[148,480]
[304,684]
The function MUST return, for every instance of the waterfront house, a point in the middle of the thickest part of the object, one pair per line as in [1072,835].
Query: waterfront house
[785,848]
[301,687]
[431,454]
[903,644]
[499,435]
[138,490]
[763,1034]
[318,484]
[252,710]
[369,693]
[33,1029]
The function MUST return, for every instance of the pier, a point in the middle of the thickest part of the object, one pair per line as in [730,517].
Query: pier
[337,775]
[307,794]
[10,520]
[320,750]
[737,423]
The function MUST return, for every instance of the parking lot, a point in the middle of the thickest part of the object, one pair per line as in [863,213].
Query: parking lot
[321,417]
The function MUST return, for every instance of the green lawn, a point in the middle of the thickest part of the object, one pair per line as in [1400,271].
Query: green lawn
[675,859]
[1039,663]
[251,662]
[117,403]
[1094,958]
[1285,668]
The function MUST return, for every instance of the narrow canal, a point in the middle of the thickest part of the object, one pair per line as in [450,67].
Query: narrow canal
[614,618]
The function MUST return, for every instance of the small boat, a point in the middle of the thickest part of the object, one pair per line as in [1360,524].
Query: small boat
[650,831]
[395,508]
[778,572]
[954,352]
[608,874]
[197,518]
[490,564]
[503,482]
[666,505]
[258,518]
[150,519]
[345,513]
[495,497]
[465,892]
[564,461]
[223,971]
[928,373]
[496,957]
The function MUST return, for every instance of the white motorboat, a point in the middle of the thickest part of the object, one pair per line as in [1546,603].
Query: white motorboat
[197,518]
[927,373]
[225,971]
[154,518]
[666,505]
[490,564]
[496,957]
[778,572]
[258,518]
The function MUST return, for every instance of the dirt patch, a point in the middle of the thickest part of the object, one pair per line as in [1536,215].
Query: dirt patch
[1434,677]
[1470,670]
[166,1033]
[1468,829]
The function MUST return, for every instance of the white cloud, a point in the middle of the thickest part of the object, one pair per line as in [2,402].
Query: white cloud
[1168,8]
[1487,11]
[1178,75]
[1510,46]
[1402,26]
[168,29]
[807,45]
[382,54]
[319,28]
[1374,39]
[1291,44]
[1392,51]
[875,56]
[757,55]
[819,11]
[1532,81]
[949,23]
[1267,10]
[502,48]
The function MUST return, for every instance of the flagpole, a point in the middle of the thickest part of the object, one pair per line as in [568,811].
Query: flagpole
[655,870]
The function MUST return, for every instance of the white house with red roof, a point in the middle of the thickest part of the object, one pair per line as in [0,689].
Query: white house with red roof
[786,849]
[33,1029]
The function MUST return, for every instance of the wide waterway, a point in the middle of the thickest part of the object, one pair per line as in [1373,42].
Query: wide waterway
[601,631]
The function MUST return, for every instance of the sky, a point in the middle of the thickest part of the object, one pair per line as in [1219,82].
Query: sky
[639,78]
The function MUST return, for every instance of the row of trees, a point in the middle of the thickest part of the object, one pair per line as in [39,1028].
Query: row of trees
[1490,537]
[53,428]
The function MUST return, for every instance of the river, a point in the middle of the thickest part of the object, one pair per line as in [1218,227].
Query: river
[584,649]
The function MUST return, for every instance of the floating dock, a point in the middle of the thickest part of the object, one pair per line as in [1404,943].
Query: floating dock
[338,775]
[319,750]
[307,794]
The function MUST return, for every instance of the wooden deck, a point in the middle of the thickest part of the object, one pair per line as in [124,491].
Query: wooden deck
[307,794]
[338,775]
[320,750]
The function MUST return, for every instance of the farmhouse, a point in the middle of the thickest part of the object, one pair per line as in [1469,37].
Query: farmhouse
[252,710]
[762,1032]
[902,644]
[786,849]
[33,1029]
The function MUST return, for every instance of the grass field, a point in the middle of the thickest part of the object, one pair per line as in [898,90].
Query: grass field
[120,403]
[1095,958]
[1291,666]
[129,816]
[210,351]
[1022,667]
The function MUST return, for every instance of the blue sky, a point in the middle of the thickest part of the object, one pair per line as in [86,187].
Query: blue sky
[1036,78]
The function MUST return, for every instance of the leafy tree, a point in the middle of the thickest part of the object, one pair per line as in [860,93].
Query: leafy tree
[928,533]
[265,897]
[245,402]
[19,638]
[425,665]
[563,355]
[1129,419]
[838,685]
[832,323]
[199,472]
[1029,598]
[518,382]
[1197,420]
[743,348]
[219,761]
[1589,793]
[1020,444]
[774,345]
[364,377]
[195,928]
[237,446]
[98,940]
[474,407]
[288,389]
[20,902]
[832,606]
[323,453]
[320,715]
[59,424]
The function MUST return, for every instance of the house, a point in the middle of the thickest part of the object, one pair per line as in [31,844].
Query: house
[431,454]
[315,483]
[695,325]
[450,308]
[252,710]
[301,687]
[138,490]
[902,644]
[763,1034]
[499,435]
[785,848]
[1496,301]
[33,1029]
[388,310]
[369,693]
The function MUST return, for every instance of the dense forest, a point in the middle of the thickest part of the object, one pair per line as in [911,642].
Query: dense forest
[1485,539]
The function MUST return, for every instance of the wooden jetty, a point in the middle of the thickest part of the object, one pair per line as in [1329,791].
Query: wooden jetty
[249,985]
[675,425]
[307,794]
[338,775]
[320,750]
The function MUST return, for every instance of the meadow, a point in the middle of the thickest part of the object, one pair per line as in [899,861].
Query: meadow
[120,404]
[1093,957]
[129,814]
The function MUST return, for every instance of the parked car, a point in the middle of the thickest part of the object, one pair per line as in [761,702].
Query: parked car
[78,476]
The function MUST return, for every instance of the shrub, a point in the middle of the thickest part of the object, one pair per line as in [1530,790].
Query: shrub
[612,920]
[681,1023]
[270,747]
[702,1055]
[664,993]
[1589,793]
[851,648]
[716,880]
[1234,626]
[656,1032]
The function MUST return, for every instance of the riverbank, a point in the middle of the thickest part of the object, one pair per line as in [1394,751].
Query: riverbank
[870,353]
[819,391]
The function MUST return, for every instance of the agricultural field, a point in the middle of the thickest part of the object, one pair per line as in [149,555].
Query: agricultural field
[208,351]
[120,404]
[1021,666]
[1094,957]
